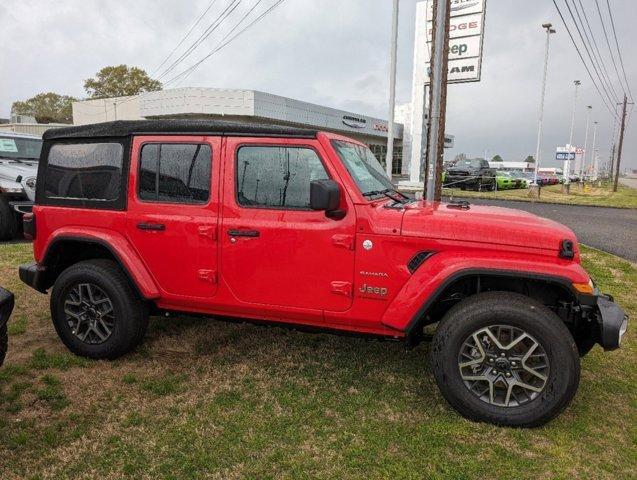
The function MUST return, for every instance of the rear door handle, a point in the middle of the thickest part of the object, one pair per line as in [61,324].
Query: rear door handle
[160,227]
[244,233]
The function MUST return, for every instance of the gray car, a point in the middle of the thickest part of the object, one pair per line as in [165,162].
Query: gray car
[19,156]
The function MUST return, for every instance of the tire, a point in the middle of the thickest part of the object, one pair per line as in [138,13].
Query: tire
[4,343]
[8,221]
[118,327]
[510,405]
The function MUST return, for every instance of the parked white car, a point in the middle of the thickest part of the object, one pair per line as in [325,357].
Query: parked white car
[19,156]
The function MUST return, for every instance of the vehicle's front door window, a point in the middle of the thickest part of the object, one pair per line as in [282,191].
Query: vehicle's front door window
[277,177]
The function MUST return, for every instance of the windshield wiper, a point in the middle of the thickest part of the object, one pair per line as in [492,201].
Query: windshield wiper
[389,193]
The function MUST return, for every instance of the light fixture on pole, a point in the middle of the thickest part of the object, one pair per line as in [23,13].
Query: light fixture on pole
[567,163]
[534,191]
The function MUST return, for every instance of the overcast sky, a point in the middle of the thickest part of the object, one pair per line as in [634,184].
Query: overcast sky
[330,52]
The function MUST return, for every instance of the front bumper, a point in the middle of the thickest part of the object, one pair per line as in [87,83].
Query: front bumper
[610,321]
[613,323]
[6,306]
[22,207]
[33,275]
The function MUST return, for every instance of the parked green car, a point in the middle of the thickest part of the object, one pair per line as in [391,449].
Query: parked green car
[504,180]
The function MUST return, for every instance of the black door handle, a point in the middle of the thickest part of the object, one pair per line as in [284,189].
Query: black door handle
[244,233]
[160,227]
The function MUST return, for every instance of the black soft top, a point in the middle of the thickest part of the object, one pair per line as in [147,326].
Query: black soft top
[124,128]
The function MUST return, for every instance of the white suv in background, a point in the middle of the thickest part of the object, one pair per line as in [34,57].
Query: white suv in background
[19,156]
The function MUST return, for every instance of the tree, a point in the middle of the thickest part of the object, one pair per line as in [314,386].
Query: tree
[530,159]
[49,107]
[497,158]
[120,81]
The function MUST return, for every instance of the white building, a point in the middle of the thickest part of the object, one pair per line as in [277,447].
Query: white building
[246,106]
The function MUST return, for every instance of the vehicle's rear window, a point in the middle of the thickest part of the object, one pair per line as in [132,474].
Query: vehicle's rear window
[84,171]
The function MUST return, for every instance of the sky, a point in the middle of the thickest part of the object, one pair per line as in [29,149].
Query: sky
[333,53]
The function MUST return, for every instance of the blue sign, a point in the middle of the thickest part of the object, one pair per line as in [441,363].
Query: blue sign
[565,156]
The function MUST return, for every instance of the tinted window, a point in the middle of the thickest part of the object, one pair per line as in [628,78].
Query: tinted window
[175,172]
[84,171]
[20,147]
[277,177]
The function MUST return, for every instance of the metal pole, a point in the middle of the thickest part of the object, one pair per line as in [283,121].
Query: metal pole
[583,163]
[567,162]
[439,66]
[593,150]
[621,145]
[389,158]
[549,30]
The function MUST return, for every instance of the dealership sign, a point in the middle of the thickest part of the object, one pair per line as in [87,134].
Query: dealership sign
[466,34]
[354,122]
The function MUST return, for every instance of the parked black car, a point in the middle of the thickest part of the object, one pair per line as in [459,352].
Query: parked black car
[474,173]
[6,307]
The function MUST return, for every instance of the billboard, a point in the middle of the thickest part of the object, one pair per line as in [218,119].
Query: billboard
[466,34]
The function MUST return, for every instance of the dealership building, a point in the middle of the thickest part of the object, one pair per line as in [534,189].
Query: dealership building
[252,106]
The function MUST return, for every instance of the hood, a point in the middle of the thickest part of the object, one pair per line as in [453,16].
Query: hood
[10,171]
[481,224]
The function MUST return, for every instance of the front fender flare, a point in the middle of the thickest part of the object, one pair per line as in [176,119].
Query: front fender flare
[441,270]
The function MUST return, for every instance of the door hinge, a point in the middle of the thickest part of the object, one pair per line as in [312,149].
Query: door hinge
[209,231]
[345,241]
[342,288]
[207,275]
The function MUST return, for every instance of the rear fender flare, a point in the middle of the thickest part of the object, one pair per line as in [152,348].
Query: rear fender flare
[121,250]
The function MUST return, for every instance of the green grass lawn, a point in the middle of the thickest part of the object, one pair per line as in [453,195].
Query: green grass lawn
[202,398]
[625,197]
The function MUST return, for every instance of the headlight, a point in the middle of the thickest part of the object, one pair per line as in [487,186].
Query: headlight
[30,183]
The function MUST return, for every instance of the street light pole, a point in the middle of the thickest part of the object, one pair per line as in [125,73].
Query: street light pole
[583,162]
[593,157]
[567,163]
[389,157]
[535,188]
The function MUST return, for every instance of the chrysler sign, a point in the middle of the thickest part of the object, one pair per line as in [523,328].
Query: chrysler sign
[354,122]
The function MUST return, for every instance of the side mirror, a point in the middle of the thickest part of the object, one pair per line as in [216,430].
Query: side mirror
[325,195]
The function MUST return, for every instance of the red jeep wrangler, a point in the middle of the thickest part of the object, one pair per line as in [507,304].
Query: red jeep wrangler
[301,227]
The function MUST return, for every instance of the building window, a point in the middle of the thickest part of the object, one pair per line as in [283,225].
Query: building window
[380,152]
[175,173]
[277,177]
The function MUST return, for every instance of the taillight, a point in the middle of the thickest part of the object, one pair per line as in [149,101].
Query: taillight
[28,225]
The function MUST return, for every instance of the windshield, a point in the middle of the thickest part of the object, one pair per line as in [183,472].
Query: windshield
[468,163]
[20,148]
[363,166]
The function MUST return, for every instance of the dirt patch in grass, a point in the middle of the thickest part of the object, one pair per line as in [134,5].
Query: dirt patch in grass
[202,398]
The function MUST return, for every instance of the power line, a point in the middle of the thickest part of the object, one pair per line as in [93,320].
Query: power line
[619,52]
[183,39]
[599,56]
[593,63]
[582,58]
[209,30]
[601,19]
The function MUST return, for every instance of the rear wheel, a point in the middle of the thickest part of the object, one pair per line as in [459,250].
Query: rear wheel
[95,310]
[504,358]
[4,343]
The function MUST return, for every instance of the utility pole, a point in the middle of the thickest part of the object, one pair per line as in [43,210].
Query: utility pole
[566,188]
[621,144]
[389,157]
[534,191]
[583,162]
[438,104]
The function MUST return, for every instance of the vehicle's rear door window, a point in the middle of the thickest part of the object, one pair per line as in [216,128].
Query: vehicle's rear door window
[175,173]
[84,171]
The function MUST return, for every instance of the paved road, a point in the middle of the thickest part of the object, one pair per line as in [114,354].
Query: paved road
[610,229]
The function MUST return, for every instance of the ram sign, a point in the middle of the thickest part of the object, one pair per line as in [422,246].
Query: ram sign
[466,33]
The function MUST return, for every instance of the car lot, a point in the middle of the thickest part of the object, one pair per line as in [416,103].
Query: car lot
[609,229]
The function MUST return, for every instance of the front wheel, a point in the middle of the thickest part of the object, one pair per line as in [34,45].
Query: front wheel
[506,359]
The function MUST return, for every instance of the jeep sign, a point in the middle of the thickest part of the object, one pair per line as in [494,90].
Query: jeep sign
[466,32]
